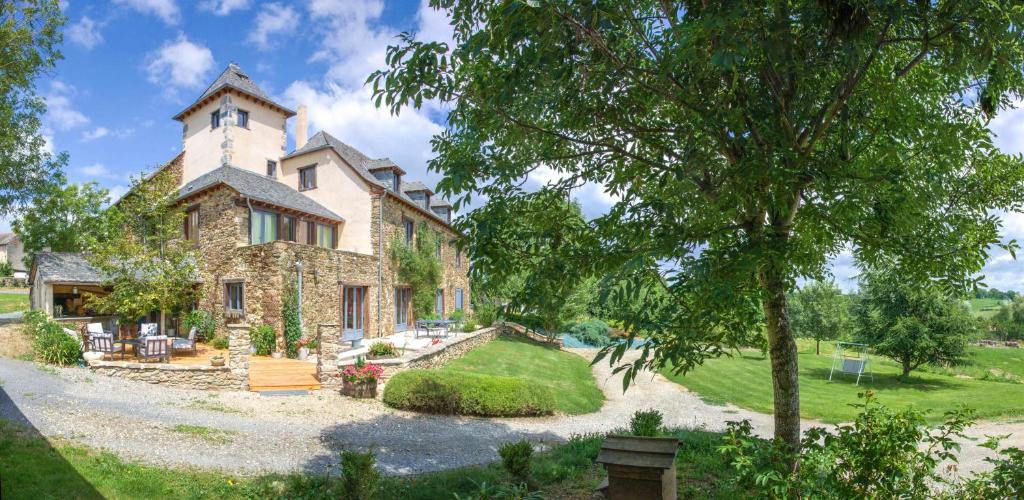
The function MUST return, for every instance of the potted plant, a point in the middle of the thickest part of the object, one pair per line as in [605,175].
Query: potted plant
[360,380]
[382,350]
[304,348]
[217,360]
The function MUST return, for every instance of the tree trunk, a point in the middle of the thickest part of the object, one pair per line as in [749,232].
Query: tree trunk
[817,347]
[906,369]
[782,347]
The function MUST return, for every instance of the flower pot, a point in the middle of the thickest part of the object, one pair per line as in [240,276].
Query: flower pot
[360,389]
[303,353]
[252,349]
[276,354]
[217,361]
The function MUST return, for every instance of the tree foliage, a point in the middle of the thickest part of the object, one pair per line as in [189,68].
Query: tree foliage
[148,266]
[1008,321]
[819,311]
[62,218]
[747,144]
[912,324]
[419,267]
[290,314]
[30,34]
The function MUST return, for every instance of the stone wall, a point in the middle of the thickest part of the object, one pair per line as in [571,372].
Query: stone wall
[329,345]
[238,354]
[184,376]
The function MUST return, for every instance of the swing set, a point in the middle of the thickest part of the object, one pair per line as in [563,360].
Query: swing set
[851,358]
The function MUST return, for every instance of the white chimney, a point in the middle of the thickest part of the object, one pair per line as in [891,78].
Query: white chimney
[301,127]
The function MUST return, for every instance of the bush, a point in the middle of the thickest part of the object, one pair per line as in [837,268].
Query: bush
[219,342]
[440,391]
[646,423]
[469,324]
[52,344]
[263,338]
[457,315]
[592,331]
[33,321]
[515,458]
[359,478]
[382,350]
[202,321]
[485,314]
[292,325]
[6,269]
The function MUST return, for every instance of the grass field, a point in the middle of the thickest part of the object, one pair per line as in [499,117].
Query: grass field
[32,467]
[11,302]
[567,375]
[985,308]
[991,384]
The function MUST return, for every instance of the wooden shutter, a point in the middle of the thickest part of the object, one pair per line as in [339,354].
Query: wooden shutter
[334,235]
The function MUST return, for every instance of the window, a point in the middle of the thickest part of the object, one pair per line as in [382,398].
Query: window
[311,233]
[215,119]
[271,168]
[263,227]
[243,119]
[352,312]
[402,309]
[288,226]
[307,178]
[439,303]
[325,236]
[458,258]
[192,224]
[234,297]
[458,299]
[409,230]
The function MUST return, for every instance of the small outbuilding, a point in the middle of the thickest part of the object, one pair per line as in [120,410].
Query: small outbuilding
[59,281]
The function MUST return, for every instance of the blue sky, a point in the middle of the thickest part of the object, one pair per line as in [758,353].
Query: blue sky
[129,65]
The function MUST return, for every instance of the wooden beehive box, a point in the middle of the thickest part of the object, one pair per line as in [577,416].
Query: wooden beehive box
[639,467]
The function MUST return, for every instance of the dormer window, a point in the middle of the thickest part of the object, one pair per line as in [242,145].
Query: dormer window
[307,178]
[215,119]
[243,119]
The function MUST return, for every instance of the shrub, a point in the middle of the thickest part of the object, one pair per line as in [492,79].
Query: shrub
[6,269]
[382,350]
[515,458]
[33,321]
[592,331]
[359,478]
[440,391]
[53,345]
[219,342]
[202,321]
[486,314]
[469,324]
[263,338]
[646,423]
[457,315]
[292,325]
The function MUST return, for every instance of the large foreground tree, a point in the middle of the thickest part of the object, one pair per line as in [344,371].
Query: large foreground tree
[747,143]
[30,34]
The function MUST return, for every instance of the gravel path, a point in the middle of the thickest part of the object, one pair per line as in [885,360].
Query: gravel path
[304,433]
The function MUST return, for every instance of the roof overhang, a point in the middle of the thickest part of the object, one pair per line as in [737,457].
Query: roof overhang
[228,89]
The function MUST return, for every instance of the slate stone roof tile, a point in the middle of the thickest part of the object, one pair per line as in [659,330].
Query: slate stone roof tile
[258,188]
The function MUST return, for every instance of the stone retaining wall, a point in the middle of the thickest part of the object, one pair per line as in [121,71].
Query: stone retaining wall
[238,354]
[185,376]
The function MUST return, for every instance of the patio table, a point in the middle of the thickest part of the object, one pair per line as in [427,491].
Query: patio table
[436,324]
[135,343]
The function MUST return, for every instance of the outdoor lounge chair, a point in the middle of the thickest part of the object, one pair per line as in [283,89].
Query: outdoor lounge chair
[105,343]
[189,344]
[154,347]
[147,329]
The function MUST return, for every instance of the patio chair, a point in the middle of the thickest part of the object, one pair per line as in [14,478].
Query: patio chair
[154,347]
[105,343]
[189,344]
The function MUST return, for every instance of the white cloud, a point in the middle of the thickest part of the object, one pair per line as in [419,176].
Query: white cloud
[179,63]
[117,192]
[99,170]
[274,19]
[166,10]
[434,25]
[96,133]
[60,111]
[223,7]
[86,33]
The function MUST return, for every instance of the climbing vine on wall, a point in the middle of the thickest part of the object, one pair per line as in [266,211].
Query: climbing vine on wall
[419,267]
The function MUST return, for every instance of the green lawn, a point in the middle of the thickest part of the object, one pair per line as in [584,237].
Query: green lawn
[985,308]
[567,375]
[10,302]
[32,467]
[745,380]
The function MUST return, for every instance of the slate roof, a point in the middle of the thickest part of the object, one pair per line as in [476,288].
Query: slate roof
[439,202]
[362,163]
[258,188]
[233,77]
[68,267]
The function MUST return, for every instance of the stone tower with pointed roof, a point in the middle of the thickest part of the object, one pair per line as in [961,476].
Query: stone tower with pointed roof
[232,123]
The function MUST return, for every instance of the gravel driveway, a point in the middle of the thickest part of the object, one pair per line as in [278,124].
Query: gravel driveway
[304,433]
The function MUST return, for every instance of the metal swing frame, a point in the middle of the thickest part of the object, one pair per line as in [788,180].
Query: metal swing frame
[851,358]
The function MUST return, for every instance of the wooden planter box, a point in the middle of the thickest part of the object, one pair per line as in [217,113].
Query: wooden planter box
[365,389]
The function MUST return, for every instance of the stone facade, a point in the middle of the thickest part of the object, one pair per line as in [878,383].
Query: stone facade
[268,269]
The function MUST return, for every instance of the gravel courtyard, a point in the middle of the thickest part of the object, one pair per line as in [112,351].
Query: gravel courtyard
[253,433]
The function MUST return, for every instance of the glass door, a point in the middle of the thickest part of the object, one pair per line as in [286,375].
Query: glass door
[401,309]
[352,312]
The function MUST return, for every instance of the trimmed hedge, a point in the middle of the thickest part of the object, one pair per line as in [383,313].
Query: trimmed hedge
[459,393]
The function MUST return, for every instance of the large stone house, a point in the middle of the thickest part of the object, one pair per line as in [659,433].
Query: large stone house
[262,216]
